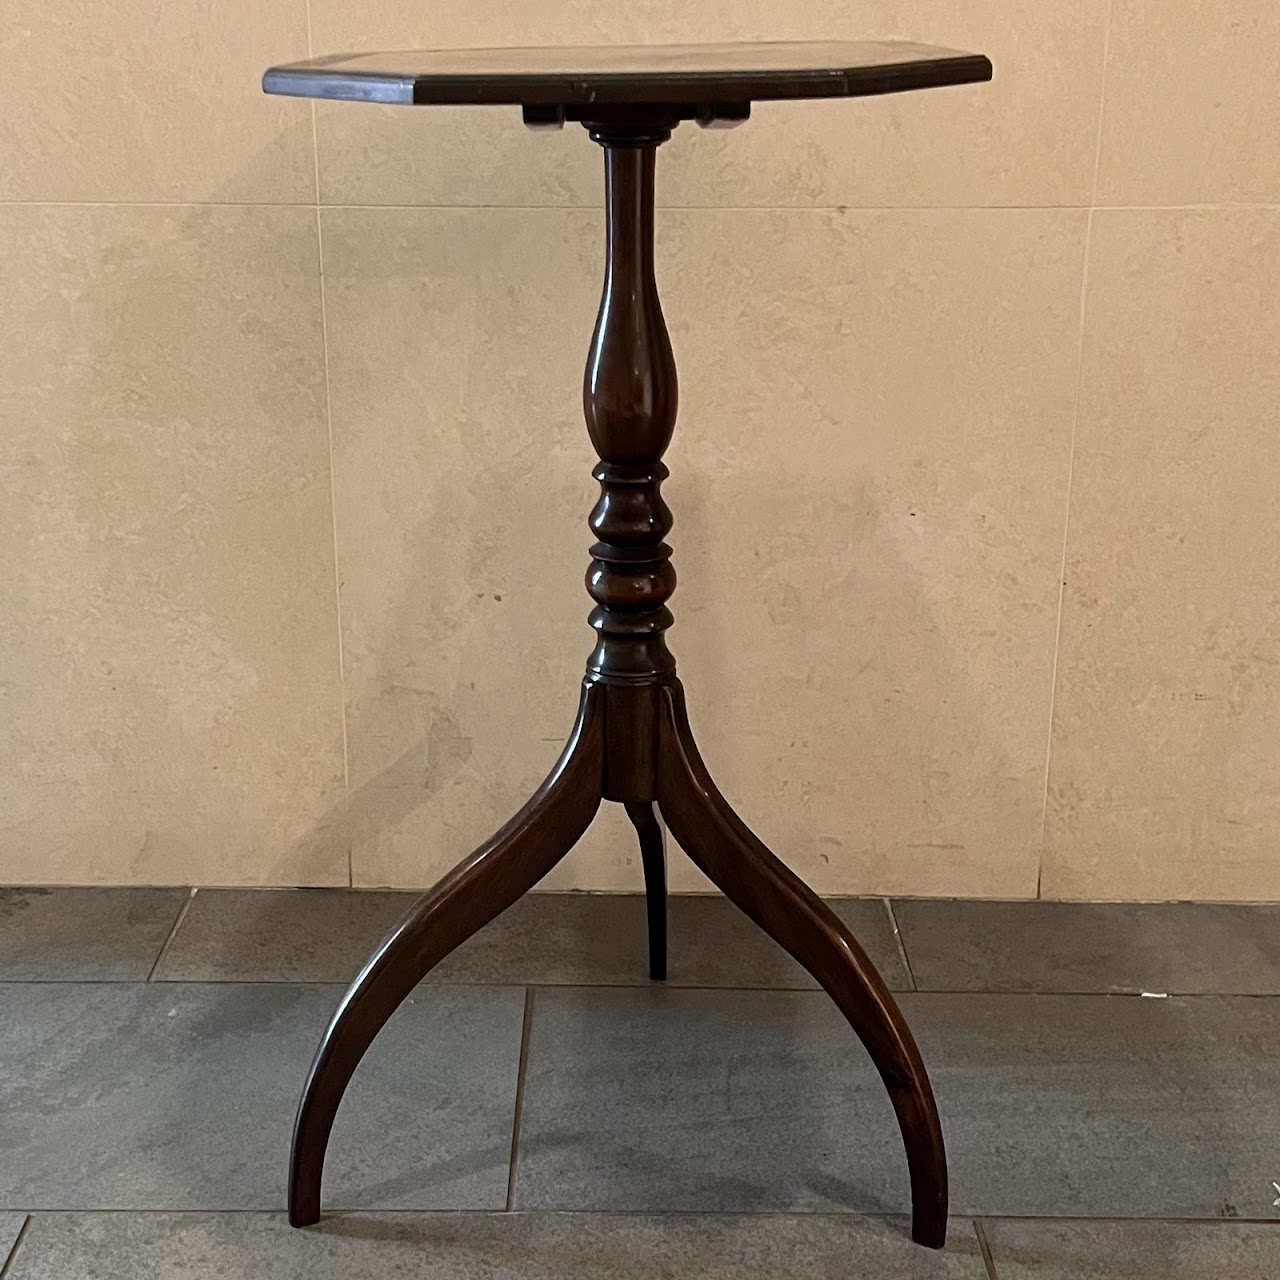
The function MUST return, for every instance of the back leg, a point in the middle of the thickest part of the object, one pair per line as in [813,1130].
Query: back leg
[653,856]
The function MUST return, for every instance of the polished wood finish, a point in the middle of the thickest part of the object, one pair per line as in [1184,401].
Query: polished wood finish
[653,858]
[499,872]
[693,77]
[632,743]
[726,851]
[629,400]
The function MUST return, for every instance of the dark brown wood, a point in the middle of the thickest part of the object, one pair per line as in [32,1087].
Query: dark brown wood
[632,743]
[502,870]
[631,739]
[653,858]
[702,81]
[629,399]
[726,851]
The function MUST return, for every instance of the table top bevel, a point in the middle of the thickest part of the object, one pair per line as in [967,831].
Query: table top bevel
[652,75]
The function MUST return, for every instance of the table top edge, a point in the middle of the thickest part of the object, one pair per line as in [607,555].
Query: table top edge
[320,78]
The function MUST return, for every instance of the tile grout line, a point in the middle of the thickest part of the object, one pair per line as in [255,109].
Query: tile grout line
[315,146]
[840,1215]
[902,946]
[1225,206]
[985,1246]
[1062,562]
[337,577]
[1194,206]
[17,1244]
[333,484]
[173,932]
[1102,107]
[499,984]
[1071,463]
[525,1027]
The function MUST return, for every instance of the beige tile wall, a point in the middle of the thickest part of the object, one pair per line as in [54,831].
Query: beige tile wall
[293,453]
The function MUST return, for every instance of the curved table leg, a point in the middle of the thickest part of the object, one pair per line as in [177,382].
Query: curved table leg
[724,848]
[477,890]
[653,857]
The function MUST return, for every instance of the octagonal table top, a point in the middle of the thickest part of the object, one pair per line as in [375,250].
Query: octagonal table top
[658,75]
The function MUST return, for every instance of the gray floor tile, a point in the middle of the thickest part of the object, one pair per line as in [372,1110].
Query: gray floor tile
[1030,1250]
[135,1096]
[702,1100]
[291,935]
[1052,1105]
[714,945]
[1173,947]
[483,1247]
[84,935]
[325,935]
[10,1226]
[589,939]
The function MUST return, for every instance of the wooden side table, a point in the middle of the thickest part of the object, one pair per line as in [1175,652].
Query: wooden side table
[632,743]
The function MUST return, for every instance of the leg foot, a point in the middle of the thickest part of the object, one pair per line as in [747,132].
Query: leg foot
[653,856]
[724,848]
[471,895]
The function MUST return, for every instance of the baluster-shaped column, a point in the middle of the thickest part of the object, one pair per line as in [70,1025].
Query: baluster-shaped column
[629,396]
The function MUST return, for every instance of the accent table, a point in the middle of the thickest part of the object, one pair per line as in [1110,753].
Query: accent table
[632,742]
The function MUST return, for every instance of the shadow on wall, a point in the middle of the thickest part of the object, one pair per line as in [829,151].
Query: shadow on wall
[412,718]
[819,670]
[823,663]
[843,722]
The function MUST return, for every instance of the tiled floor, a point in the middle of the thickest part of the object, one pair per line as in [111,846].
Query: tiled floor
[1109,1078]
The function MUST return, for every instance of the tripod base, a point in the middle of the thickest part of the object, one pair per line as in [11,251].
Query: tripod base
[631,743]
